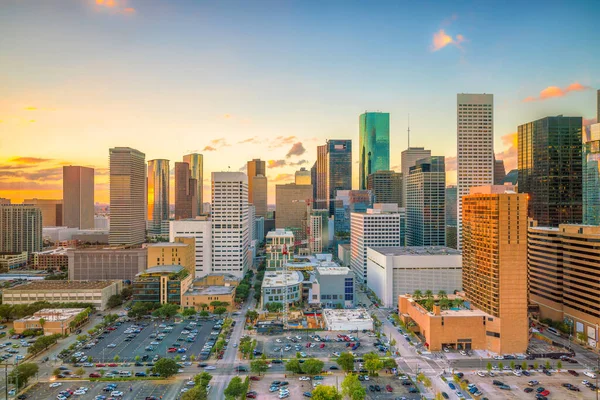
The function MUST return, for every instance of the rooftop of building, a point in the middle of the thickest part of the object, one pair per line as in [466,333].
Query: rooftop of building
[13,253]
[166,244]
[333,270]
[163,269]
[452,312]
[225,276]
[349,315]
[276,278]
[56,251]
[346,246]
[53,314]
[210,291]
[280,233]
[416,251]
[61,285]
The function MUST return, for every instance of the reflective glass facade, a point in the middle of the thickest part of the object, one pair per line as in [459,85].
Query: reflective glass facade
[591,183]
[374,145]
[158,195]
[339,170]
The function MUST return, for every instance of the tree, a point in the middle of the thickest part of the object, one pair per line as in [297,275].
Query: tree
[22,373]
[500,365]
[326,393]
[114,301]
[559,365]
[204,313]
[442,294]
[535,365]
[417,294]
[352,388]
[429,294]
[195,393]
[512,365]
[167,310]
[251,315]
[547,365]
[274,307]
[346,361]
[524,365]
[42,322]
[127,292]
[390,363]
[489,367]
[582,337]
[293,366]
[202,379]
[80,371]
[259,366]
[165,367]
[445,303]
[235,387]
[203,306]
[137,358]
[56,371]
[372,362]
[116,358]
[312,366]
[429,303]
[220,310]
[188,312]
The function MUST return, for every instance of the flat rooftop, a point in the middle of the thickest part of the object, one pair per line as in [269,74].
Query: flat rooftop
[165,244]
[416,251]
[159,269]
[353,315]
[53,314]
[57,251]
[333,270]
[210,291]
[60,286]
[280,233]
[276,279]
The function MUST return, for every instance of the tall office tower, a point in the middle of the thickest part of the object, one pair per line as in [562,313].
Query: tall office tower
[318,232]
[559,262]
[313,179]
[20,228]
[494,256]
[386,186]
[303,177]
[186,198]
[230,223]
[451,218]
[127,196]
[347,202]
[475,140]
[425,211]
[196,163]
[291,204]
[374,145]
[259,196]
[200,229]
[78,197]
[320,200]
[52,211]
[591,178]
[338,167]
[251,219]
[409,158]
[254,168]
[384,225]
[499,172]
[550,169]
[158,196]
[259,229]
[598,108]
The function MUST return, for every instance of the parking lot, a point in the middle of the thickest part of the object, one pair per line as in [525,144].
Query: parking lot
[395,383]
[129,345]
[295,385]
[13,349]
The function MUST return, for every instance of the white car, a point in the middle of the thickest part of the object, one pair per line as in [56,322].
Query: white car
[183,390]
[112,345]
[55,384]
[234,345]
[585,382]
[79,392]
[190,383]
[463,353]
[180,370]
[155,343]
[304,378]
[481,373]
[278,340]
[298,337]
[288,337]
[589,374]
[61,397]
[516,372]
[498,357]
[116,393]
[210,367]
[183,357]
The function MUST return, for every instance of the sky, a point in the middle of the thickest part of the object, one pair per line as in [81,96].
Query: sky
[237,80]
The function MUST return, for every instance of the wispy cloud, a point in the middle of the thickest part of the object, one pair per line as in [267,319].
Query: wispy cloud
[209,148]
[510,152]
[216,144]
[252,140]
[554,91]
[29,160]
[281,141]
[441,39]
[117,6]
[297,164]
[296,150]
[276,163]
[282,178]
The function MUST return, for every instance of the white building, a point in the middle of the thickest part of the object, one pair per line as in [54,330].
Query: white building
[101,222]
[348,320]
[384,225]
[275,241]
[230,230]
[400,270]
[274,284]
[251,225]
[409,159]
[200,229]
[475,137]
[59,233]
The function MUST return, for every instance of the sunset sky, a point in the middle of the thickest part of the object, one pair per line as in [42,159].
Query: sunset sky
[236,80]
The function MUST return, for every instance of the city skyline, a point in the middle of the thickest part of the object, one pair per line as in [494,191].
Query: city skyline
[116,55]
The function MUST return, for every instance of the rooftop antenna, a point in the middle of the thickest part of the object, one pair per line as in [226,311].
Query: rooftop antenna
[409,130]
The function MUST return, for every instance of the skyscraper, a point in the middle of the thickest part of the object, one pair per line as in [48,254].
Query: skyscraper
[52,211]
[196,163]
[334,172]
[550,169]
[254,168]
[475,139]
[347,202]
[386,186]
[158,196]
[127,196]
[78,197]
[292,202]
[374,145]
[320,200]
[20,228]
[259,194]
[451,218]
[425,211]
[494,256]
[229,212]
[409,158]
[313,179]
[591,178]
[499,172]
[186,201]
[302,177]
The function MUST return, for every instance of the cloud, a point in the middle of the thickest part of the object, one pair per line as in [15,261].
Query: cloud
[117,6]
[281,141]
[296,150]
[450,163]
[276,163]
[46,174]
[510,154]
[253,140]
[29,160]
[441,39]
[297,164]
[216,144]
[209,148]
[282,177]
[554,91]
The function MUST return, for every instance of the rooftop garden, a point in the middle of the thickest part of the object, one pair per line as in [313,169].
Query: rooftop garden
[427,300]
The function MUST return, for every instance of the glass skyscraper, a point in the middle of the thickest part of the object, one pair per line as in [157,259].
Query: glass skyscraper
[338,170]
[158,196]
[374,143]
[591,178]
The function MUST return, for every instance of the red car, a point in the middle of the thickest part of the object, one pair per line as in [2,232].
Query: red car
[322,345]
[100,365]
[95,375]
[545,393]
[254,378]
[389,388]
[250,396]
[172,350]
[110,328]
[113,365]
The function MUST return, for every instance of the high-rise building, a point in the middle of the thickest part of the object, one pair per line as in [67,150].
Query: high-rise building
[347,202]
[374,145]
[499,172]
[52,211]
[320,200]
[259,195]
[275,242]
[561,262]
[186,201]
[386,186]
[158,196]
[425,206]
[78,197]
[475,139]
[254,168]
[302,177]
[550,169]
[335,159]
[251,219]
[95,264]
[196,163]
[384,225]
[318,231]
[230,240]
[591,177]
[409,158]
[598,107]
[313,179]
[200,229]
[292,202]
[127,196]
[20,228]
[451,218]
[259,229]
[494,255]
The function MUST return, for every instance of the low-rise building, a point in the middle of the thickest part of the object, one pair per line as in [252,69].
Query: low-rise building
[201,298]
[106,264]
[50,320]
[348,320]
[400,270]
[333,286]
[180,252]
[11,260]
[94,292]
[274,287]
[162,284]
[216,280]
[50,259]
[277,241]
[345,254]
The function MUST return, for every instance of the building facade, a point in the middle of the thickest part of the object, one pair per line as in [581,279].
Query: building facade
[259,194]
[162,284]
[591,177]
[292,202]
[186,197]
[51,259]
[158,196]
[127,196]
[499,172]
[386,187]
[426,203]
[78,197]
[336,286]
[302,177]
[10,261]
[106,264]
[52,211]
[56,321]
[374,145]
[274,287]
[276,241]
[196,163]
[181,252]
[409,158]
[20,228]
[199,229]
[338,172]
[451,217]
[475,140]
[550,169]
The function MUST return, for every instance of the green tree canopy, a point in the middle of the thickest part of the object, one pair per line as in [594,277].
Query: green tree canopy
[166,367]
[188,312]
[326,393]
[114,301]
[220,310]
[390,363]
[293,365]
[372,362]
[22,373]
[346,361]
[352,388]
[274,307]
[195,393]
[235,387]
[202,379]
[312,366]
[259,366]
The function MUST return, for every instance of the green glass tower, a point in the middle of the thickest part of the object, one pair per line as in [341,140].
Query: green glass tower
[374,143]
